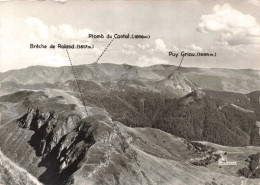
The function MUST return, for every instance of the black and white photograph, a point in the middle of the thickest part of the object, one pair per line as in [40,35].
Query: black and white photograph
[128,92]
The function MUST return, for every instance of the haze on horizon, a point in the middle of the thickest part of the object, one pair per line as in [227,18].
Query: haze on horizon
[229,28]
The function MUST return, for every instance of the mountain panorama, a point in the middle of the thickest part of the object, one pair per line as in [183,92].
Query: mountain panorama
[121,124]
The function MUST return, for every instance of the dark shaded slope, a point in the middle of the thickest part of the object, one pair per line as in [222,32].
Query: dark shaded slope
[219,117]
[254,98]
[52,142]
[222,98]
[30,139]
[211,118]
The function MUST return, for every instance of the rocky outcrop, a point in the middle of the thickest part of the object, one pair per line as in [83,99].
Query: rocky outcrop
[176,83]
[48,128]
[33,119]
[67,143]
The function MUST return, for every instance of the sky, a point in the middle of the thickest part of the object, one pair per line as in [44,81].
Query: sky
[231,29]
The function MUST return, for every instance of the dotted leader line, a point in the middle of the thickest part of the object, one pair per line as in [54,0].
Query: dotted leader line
[180,63]
[76,80]
[75,76]
[105,49]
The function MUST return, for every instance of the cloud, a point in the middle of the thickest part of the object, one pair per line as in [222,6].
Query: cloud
[38,31]
[175,48]
[66,31]
[234,27]
[254,2]
[37,28]
[14,47]
[160,46]
[193,47]
[144,61]
[144,46]
[128,49]
[129,52]
[52,60]
[157,46]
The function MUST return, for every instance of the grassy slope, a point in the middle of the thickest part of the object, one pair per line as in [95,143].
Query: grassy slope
[160,158]
[12,174]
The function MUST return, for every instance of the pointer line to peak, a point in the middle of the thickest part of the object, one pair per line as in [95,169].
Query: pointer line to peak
[77,83]
[105,50]
[180,63]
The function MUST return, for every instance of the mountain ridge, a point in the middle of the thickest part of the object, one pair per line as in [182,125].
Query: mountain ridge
[212,79]
[48,128]
[140,126]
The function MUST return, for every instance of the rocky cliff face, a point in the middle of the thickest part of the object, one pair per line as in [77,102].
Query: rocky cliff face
[66,144]
[48,128]
[60,147]
[177,84]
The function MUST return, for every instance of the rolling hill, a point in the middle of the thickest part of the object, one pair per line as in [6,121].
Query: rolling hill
[150,125]
[61,147]
[233,80]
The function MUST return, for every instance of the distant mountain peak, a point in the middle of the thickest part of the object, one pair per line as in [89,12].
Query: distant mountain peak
[177,82]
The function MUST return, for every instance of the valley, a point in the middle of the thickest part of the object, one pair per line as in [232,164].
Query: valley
[151,125]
